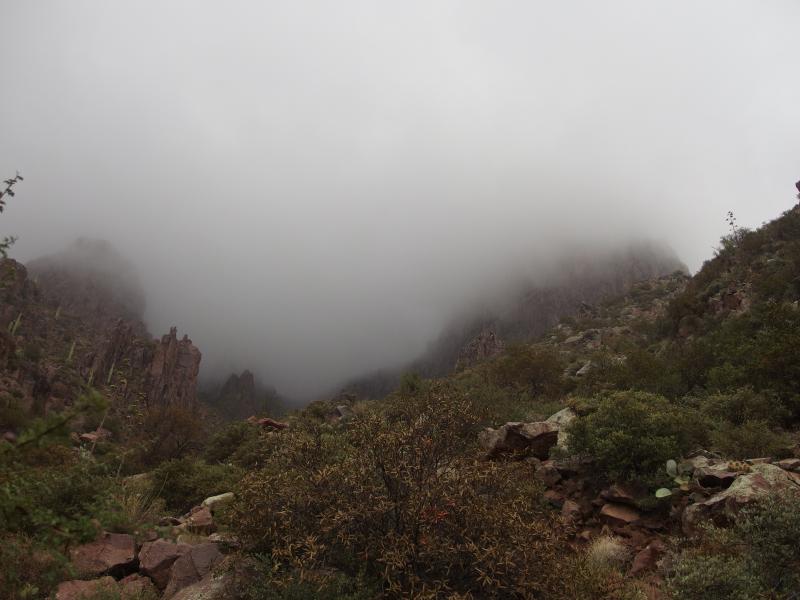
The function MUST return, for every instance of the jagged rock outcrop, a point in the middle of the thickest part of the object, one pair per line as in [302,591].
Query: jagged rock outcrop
[484,346]
[172,374]
[242,396]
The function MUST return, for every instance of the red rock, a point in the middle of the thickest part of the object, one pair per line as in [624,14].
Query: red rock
[621,494]
[715,477]
[156,560]
[172,378]
[646,559]
[136,587]
[112,553]
[83,590]
[619,514]
[192,567]
[200,521]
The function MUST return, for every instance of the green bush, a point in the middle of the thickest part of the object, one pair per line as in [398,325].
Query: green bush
[756,558]
[750,440]
[185,482]
[630,435]
[539,371]
[30,569]
[714,577]
[228,444]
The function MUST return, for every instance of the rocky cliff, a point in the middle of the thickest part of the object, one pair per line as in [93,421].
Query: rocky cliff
[71,328]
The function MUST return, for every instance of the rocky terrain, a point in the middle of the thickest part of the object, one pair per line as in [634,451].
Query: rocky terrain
[641,444]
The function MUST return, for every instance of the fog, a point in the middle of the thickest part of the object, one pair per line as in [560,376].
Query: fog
[308,189]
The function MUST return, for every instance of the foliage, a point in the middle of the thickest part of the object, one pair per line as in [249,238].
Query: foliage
[400,492]
[598,573]
[30,569]
[185,482]
[756,558]
[260,584]
[714,577]
[8,241]
[172,432]
[748,440]
[632,434]
[238,443]
[528,368]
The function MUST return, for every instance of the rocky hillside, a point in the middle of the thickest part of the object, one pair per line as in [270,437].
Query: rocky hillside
[644,445]
[53,354]
[576,281]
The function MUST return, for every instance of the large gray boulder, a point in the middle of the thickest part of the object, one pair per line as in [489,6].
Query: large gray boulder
[762,480]
[534,439]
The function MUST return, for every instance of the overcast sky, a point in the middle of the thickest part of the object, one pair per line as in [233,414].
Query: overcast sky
[309,187]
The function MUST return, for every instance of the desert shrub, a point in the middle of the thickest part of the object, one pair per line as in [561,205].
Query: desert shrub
[714,577]
[30,569]
[630,435]
[133,506]
[642,370]
[530,368]
[748,440]
[400,494]
[770,531]
[226,444]
[54,503]
[172,432]
[756,557]
[185,482]
[494,404]
[259,583]
[598,573]
[743,405]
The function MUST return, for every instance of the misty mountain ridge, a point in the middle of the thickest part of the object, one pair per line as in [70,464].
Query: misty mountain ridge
[92,279]
[524,311]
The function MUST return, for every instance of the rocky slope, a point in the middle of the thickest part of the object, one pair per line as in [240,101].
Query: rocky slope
[577,281]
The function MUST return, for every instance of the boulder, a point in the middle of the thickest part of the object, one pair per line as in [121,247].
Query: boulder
[192,567]
[789,464]
[561,419]
[137,587]
[762,480]
[214,502]
[520,438]
[619,514]
[715,476]
[84,590]
[211,587]
[93,437]
[200,521]
[112,553]
[156,560]
[622,494]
